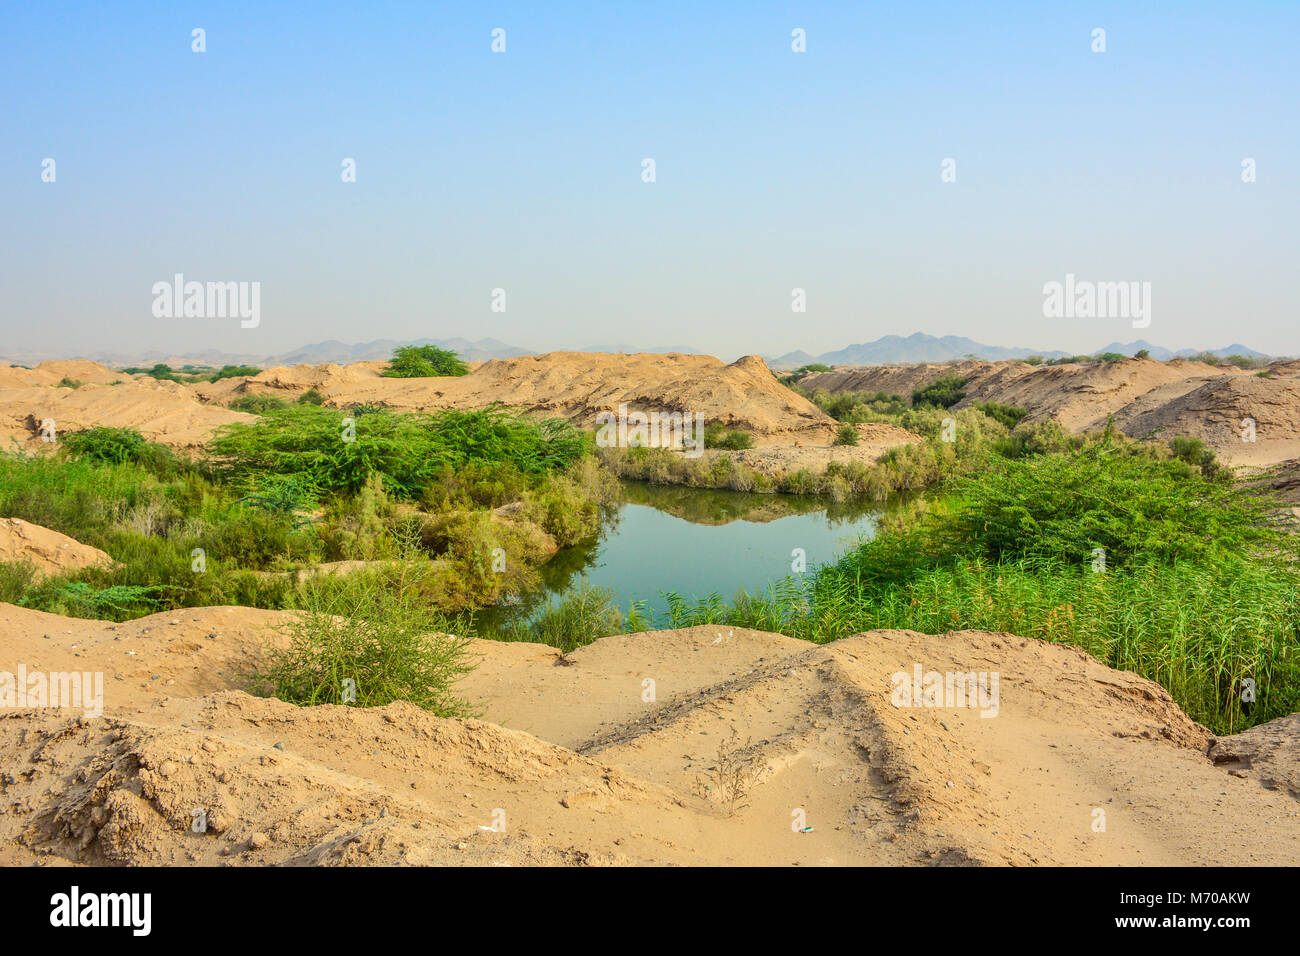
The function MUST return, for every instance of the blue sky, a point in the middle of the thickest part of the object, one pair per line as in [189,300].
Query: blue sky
[522,171]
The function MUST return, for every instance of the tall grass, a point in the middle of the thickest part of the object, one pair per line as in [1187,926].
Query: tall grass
[368,640]
[1200,589]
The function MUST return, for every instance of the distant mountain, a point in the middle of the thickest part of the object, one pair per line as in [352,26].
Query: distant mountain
[319,353]
[626,349]
[1164,355]
[382,349]
[1132,348]
[795,359]
[917,347]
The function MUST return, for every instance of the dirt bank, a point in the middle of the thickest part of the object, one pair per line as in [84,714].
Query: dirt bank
[581,764]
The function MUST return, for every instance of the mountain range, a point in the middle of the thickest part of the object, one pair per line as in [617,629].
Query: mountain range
[888,349]
[919,347]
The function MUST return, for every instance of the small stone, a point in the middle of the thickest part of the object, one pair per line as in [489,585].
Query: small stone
[278,745]
[258,840]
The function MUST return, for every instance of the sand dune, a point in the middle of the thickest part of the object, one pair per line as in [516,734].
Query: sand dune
[164,412]
[571,764]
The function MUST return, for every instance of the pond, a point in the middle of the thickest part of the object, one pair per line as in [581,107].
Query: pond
[697,542]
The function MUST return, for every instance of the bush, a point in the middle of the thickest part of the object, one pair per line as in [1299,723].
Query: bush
[257,404]
[944,392]
[424,361]
[409,451]
[119,446]
[371,635]
[585,615]
[235,371]
[312,396]
[846,435]
[1009,415]
[716,435]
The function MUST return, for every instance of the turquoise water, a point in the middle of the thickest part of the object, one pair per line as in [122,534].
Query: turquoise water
[697,542]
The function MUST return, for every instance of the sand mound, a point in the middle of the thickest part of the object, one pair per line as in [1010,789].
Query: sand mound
[1148,399]
[163,412]
[51,373]
[48,551]
[572,385]
[578,759]
[1217,411]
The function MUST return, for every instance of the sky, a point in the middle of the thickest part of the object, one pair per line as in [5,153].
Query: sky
[523,171]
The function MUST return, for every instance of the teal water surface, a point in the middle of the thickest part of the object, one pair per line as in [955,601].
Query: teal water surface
[698,542]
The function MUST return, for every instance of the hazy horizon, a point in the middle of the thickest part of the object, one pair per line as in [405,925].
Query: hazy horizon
[522,170]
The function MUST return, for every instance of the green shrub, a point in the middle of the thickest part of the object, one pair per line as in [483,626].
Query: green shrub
[585,615]
[716,435]
[373,636]
[234,371]
[944,392]
[846,435]
[119,446]
[311,397]
[409,451]
[1009,415]
[424,361]
[257,404]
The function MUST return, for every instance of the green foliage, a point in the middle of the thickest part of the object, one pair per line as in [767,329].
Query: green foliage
[235,371]
[80,599]
[1142,354]
[805,370]
[1009,415]
[311,397]
[857,406]
[944,392]
[424,361]
[409,451]
[119,446]
[846,435]
[1245,361]
[257,404]
[371,635]
[585,615]
[716,435]
[67,382]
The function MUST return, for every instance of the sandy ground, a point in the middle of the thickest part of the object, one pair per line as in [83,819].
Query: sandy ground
[574,762]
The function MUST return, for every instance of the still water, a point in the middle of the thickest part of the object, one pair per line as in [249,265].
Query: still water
[698,542]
